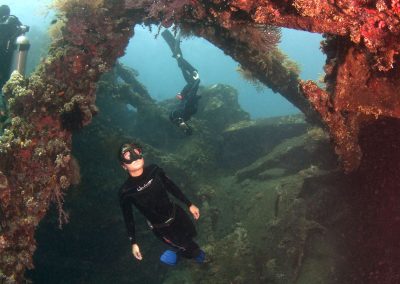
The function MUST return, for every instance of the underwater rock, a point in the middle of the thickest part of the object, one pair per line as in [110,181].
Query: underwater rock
[272,173]
[246,141]
[219,106]
[293,154]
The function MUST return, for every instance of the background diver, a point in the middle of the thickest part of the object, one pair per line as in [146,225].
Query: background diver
[10,29]
[147,188]
[188,96]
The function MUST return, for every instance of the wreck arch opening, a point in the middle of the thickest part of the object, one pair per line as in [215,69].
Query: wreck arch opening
[148,53]
[304,48]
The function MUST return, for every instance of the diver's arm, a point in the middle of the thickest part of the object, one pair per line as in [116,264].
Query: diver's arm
[136,252]
[174,189]
[126,207]
[14,29]
[14,23]
[127,212]
[195,211]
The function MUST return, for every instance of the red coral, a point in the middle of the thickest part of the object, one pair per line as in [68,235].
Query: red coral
[374,31]
[245,5]
[168,11]
[76,29]
[78,64]
[25,154]
[396,6]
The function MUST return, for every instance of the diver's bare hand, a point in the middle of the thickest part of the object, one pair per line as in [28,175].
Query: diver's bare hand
[195,211]
[136,252]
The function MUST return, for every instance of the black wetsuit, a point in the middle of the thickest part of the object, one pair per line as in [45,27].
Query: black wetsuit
[189,98]
[169,222]
[9,31]
[188,105]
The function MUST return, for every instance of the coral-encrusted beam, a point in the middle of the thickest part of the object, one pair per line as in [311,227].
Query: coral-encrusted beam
[343,130]
[35,149]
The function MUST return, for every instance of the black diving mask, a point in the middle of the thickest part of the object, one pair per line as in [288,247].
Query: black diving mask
[133,155]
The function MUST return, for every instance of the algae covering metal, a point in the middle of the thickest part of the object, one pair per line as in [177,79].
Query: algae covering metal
[44,109]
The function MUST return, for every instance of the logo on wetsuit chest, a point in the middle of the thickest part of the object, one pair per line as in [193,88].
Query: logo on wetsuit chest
[146,185]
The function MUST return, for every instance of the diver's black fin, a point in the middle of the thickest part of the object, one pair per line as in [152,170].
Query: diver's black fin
[173,43]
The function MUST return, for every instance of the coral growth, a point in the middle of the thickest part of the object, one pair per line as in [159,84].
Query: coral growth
[35,149]
[248,76]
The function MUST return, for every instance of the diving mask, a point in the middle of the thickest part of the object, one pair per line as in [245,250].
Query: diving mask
[133,156]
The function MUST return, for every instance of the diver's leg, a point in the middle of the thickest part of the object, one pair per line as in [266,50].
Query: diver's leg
[173,238]
[184,231]
[188,71]
[191,100]
[191,250]
[169,256]
[194,87]
[3,107]
[173,43]
[5,66]
[179,236]
[167,236]
[190,89]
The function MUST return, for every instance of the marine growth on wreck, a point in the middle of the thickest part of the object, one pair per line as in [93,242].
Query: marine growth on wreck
[315,211]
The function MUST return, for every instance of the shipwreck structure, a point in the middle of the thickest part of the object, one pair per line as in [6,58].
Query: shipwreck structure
[359,106]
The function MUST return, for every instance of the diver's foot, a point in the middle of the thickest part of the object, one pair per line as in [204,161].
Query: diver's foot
[169,257]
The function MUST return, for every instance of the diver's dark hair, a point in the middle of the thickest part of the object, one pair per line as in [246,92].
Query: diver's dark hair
[4,10]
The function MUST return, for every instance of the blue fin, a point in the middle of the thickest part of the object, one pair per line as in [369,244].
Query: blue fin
[201,257]
[169,257]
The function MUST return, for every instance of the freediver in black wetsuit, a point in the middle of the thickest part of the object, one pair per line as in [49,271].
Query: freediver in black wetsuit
[188,96]
[147,188]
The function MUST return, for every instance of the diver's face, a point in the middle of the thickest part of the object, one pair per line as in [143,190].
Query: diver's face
[134,165]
